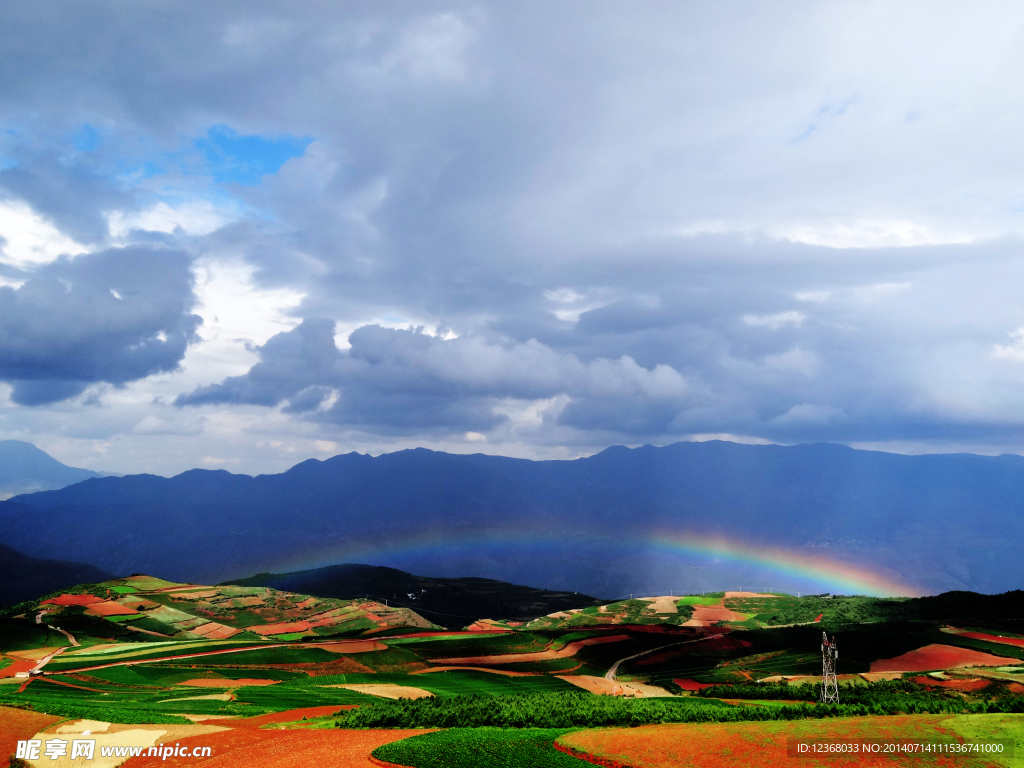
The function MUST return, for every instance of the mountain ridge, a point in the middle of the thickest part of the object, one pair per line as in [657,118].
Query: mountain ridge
[24,468]
[942,521]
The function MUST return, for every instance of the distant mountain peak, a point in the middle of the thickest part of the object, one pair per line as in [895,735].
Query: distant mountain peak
[24,468]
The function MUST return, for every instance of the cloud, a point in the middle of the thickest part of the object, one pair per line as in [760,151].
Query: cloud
[114,316]
[393,379]
[1012,351]
[28,239]
[807,413]
[198,217]
[604,220]
[432,49]
[776,320]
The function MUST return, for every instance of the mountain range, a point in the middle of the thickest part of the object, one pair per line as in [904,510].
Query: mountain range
[27,469]
[594,525]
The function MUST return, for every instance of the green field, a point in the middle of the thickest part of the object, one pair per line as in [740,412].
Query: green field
[501,720]
[710,599]
[89,658]
[479,747]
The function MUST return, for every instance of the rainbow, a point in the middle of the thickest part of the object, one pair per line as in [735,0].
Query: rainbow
[808,570]
[840,576]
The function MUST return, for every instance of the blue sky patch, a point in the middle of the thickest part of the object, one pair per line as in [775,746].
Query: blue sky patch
[246,159]
[86,139]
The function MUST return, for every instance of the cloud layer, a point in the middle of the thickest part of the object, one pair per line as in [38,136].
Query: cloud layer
[407,380]
[115,316]
[254,233]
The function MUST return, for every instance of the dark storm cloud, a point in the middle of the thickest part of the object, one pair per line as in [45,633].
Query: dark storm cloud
[677,220]
[114,316]
[405,380]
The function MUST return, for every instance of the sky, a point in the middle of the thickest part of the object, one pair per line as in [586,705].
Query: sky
[240,235]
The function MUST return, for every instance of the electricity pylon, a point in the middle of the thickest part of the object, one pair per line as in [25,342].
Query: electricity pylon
[829,685]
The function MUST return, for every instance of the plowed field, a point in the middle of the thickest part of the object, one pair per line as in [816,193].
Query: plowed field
[352,646]
[955,685]
[282,628]
[16,666]
[109,608]
[17,725]
[935,657]
[691,685]
[713,613]
[74,600]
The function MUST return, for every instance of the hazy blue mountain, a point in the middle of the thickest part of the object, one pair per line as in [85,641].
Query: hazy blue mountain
[26,578]
[452,603]
[939,522]
[27,469]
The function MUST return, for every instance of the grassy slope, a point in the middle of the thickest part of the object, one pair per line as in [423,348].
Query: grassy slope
[476,747]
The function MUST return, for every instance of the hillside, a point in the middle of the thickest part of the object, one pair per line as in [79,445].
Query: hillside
[144,650]
[594,525]
[452,603]
[145,608]
[23,577]
[27,469]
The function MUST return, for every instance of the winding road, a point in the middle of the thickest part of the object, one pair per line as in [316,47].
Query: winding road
[610,674]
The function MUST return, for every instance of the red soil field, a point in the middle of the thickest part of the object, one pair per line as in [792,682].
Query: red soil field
[934,657]
[281,749]
[282,628]
[74,600]
[214,631]
[19,665]
[188,594]
[691,685]
[1016,688]
[752,745]
[713,613]
[223,633]
[17,725]
[351,646]
[956,685]
[110,608]
[1017,641]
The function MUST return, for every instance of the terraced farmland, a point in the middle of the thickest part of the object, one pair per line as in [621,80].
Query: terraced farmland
[698,660]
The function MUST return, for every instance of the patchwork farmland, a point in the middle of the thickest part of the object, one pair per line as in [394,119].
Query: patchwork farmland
[235,665]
